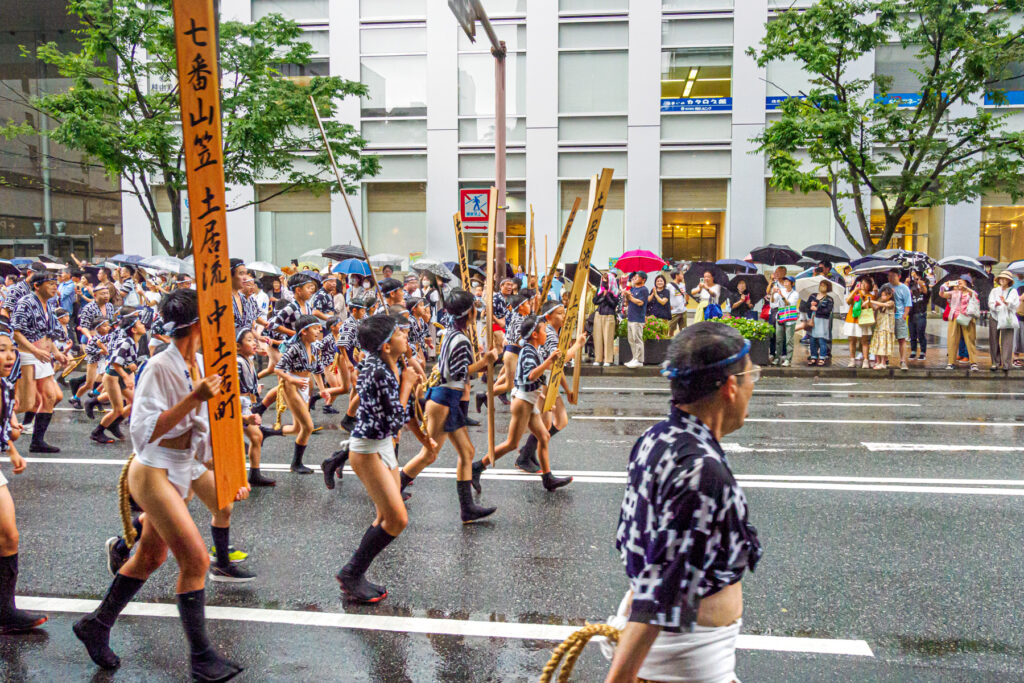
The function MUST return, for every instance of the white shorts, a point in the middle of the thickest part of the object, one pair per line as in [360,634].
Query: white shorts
[3,479]
[528,396]
[180,465]
[383,447]
[705,655]
[855,330]
[43,370]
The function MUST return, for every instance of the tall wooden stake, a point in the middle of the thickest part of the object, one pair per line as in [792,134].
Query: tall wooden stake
[460,247]
[195,36]
[581,319]
[488,326]
[546,287]
[565,338]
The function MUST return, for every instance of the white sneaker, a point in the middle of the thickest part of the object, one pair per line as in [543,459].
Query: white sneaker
[607,365]
[633,364]
[785,363]
[597,364]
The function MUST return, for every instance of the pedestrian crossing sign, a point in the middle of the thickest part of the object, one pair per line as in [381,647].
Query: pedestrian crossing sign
[473,205]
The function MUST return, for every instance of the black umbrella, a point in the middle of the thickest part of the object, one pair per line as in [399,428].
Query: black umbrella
[807,262]
[981,285]
[594,277]
[826,252]
[735,265]
[434,268]
[757,286]
[775,255]
[983,260]
[8,268]
[697,270]
[340,252]
[871,265]
[509,272]
[959,266]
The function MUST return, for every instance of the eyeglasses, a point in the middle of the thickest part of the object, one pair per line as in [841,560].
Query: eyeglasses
[754,372]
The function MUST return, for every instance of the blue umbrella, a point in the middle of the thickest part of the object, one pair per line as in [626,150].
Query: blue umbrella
[22,261]
[352,266]
[735,265]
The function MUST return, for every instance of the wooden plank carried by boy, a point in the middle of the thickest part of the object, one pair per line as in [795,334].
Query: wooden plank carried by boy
[579,288]
[195,36]
[581,319]
[460,247]
[549,278]
[489,306]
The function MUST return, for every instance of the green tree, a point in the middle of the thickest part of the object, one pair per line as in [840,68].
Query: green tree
[123,109]
[846,137]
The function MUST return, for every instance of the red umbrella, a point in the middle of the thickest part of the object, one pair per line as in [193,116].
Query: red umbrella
[639,259]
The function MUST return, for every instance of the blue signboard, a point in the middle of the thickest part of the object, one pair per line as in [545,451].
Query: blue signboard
[696,104]
[775,101]
[900,99]
[1013,98]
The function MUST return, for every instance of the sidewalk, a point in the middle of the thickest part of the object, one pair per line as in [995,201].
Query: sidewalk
[933,366]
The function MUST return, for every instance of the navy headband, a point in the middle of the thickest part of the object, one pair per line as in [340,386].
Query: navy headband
[673,372]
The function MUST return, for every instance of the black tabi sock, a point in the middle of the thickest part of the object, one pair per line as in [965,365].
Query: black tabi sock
[122,545]
[8,581]
[98,430]
[464,406]
[270,431]
[300,450]
[552,430]
[42,423]
[192,610]
[220,542]
[374,541]
[404,478]
[530,447]
[76,384]
[29,416]
[122,590]
[259,409]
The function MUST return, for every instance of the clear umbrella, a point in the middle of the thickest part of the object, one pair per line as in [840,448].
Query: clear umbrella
[263,267]
[169,264]
[381,260]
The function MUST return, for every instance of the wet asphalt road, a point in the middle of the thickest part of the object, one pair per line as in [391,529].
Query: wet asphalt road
[881,522]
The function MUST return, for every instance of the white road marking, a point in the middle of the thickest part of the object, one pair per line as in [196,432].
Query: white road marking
[834,384]
[776,420]
[924,447]
[452,627]
[850,405]
[983,487]
[767,390]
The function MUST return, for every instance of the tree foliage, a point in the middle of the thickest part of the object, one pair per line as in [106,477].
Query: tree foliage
[117,114]
[846,137]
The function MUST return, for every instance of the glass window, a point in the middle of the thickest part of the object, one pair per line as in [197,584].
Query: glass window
[379,41]
[403,167]
[1010,81]
[684,32]
[481,166]
[691,235]
[299,10]
[482,130]
[320,40]
[696,128]
[403,132]
[392,9]
[898,63]
[586,164]
[398,86]
[797,225]
[696,163]
[592,5]
[395,217]
[688,73]
[476,85]
[611,236]
[514,36]
[787,77]
[284,235]
[592,35]
[315,67]
[593,82]
[698,4]
[1002,232]
[592,128]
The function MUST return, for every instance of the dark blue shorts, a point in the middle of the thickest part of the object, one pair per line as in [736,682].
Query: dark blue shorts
[513,349]
[351,355]
[450,398]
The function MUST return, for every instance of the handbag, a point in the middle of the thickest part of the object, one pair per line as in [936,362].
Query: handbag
[1005,320]
[857,309]
[973,308]
[766,312]
[867,316]
[945,313]
[712,311]
[787,314]
[964,320]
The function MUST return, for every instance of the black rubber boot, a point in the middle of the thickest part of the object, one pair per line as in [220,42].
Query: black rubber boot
[352,577]
[348,423]
[89,404]
[525,463]
[551,482]
[297,465]
[12,619]
[481,400]
[471,512]
[99,437]
[256,478]
[39,444]
[94,629]
[207,665]
[259,409]
[334,465]
[115,429]
[503,398]
[330,410]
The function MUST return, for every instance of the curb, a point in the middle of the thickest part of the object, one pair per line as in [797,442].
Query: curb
[825,372]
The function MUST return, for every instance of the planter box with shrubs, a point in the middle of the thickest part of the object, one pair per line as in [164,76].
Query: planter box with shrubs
[757,331]
[656,341]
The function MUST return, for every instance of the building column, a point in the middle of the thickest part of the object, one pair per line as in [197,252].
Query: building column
[542,126]
[744,225]
[643,164]
[136,234]
[961,235]
[442,128]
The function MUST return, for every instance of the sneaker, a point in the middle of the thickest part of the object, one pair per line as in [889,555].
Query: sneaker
[785,363]
[233,554]
[115,556]
[607,365]
[597,364]
[903,367]
[852,364]
[633,364]
[230,574]
[27,429]
[974,367]
[949,366]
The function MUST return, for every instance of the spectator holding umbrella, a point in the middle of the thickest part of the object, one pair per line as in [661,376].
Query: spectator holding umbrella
[964,310]
[636,314]
[918,322]
[708,295]
[1003,302]
[774,288]
[743,308]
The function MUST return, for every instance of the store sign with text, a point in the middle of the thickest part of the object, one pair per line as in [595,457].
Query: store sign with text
[696,104]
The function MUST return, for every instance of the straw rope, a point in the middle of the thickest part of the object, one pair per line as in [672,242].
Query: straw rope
[572,648]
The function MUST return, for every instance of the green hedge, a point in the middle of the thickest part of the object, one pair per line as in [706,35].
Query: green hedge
[757,330]
[654,328]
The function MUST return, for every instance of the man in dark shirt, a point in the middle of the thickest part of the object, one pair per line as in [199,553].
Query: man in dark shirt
[636,314]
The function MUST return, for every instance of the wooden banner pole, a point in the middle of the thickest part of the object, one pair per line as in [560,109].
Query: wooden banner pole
[460,247]
[344,195]
[489,303]
[558,251]
[195,36]
[581,319]
[572,310]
